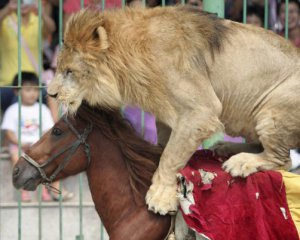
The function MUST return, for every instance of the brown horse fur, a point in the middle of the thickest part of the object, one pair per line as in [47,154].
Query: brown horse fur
[196,73]
[119,175]
[141,157]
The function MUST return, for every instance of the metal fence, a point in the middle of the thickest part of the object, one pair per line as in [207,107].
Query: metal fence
[35,220]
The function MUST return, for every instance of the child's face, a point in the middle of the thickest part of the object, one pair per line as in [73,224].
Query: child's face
[29,93]
[254,20]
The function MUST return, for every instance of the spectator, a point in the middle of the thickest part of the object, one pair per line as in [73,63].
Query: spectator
[29,124]
[293,20]
[142,122]
[9,44]
[195,3]
[255,15]
[135,3]
[234,10]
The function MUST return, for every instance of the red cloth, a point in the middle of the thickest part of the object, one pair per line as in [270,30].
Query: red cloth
[237,208]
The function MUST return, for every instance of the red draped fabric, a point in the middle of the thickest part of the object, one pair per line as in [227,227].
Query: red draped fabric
[225,208]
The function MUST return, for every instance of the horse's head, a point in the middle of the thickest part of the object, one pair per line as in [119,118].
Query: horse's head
[48,159]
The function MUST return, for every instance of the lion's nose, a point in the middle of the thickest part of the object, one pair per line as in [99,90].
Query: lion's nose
[53,95]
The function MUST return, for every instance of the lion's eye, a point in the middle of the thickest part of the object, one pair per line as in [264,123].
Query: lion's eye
[57,131]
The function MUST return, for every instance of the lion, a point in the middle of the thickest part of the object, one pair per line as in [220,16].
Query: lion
[197,73]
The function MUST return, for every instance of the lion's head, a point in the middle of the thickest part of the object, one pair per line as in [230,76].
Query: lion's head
[82,72]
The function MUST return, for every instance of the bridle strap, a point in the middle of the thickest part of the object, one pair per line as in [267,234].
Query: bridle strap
[171,232]
[71,148]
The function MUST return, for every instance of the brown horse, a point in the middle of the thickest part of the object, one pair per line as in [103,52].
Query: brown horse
[118,163]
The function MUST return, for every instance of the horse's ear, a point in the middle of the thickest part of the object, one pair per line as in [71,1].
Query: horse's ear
[100,35]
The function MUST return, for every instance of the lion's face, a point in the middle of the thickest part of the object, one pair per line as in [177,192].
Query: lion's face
[80,76]
[67,84]
[83,67]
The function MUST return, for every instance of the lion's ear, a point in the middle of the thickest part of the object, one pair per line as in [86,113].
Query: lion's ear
[101,36]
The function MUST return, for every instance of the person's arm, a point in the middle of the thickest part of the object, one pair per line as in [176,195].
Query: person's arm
[11,136]
[48,23]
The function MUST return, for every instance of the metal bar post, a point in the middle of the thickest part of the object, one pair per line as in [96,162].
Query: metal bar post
[214,6]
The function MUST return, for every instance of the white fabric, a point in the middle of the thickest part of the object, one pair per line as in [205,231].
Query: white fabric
[29,121]
[295,157]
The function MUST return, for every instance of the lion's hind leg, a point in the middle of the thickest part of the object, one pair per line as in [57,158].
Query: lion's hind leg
[276,143]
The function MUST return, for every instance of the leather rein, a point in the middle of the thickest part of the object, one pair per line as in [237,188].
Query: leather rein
[81,140]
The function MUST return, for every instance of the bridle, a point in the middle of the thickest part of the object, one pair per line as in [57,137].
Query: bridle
[81,139]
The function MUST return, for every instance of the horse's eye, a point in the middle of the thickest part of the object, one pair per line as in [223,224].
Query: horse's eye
[56,132]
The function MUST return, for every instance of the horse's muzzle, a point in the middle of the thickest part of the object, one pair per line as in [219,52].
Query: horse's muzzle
[25,176]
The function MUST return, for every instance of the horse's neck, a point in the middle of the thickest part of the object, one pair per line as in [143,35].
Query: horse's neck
[113,196]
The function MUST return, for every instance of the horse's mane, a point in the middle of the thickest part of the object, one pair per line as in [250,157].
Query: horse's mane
[141,157]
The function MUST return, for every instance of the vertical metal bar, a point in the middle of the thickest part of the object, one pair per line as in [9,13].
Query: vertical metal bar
[60,40]
[40,59]
[163,3]
[80,207]
[19,112]
[60,22]
[286,30]
[81,237]
[143,123]
[214,6]
[212,140]
[102,5]
[61,227]
[244,11]
[266,17]
[123,108]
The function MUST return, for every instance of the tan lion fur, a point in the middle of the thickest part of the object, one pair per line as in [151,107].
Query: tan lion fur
[198,74]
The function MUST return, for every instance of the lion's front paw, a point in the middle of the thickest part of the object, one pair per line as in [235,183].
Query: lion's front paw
[243,164]
[162,199]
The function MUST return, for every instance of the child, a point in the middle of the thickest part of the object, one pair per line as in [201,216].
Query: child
[293,20]
[255,15]
[29,121]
